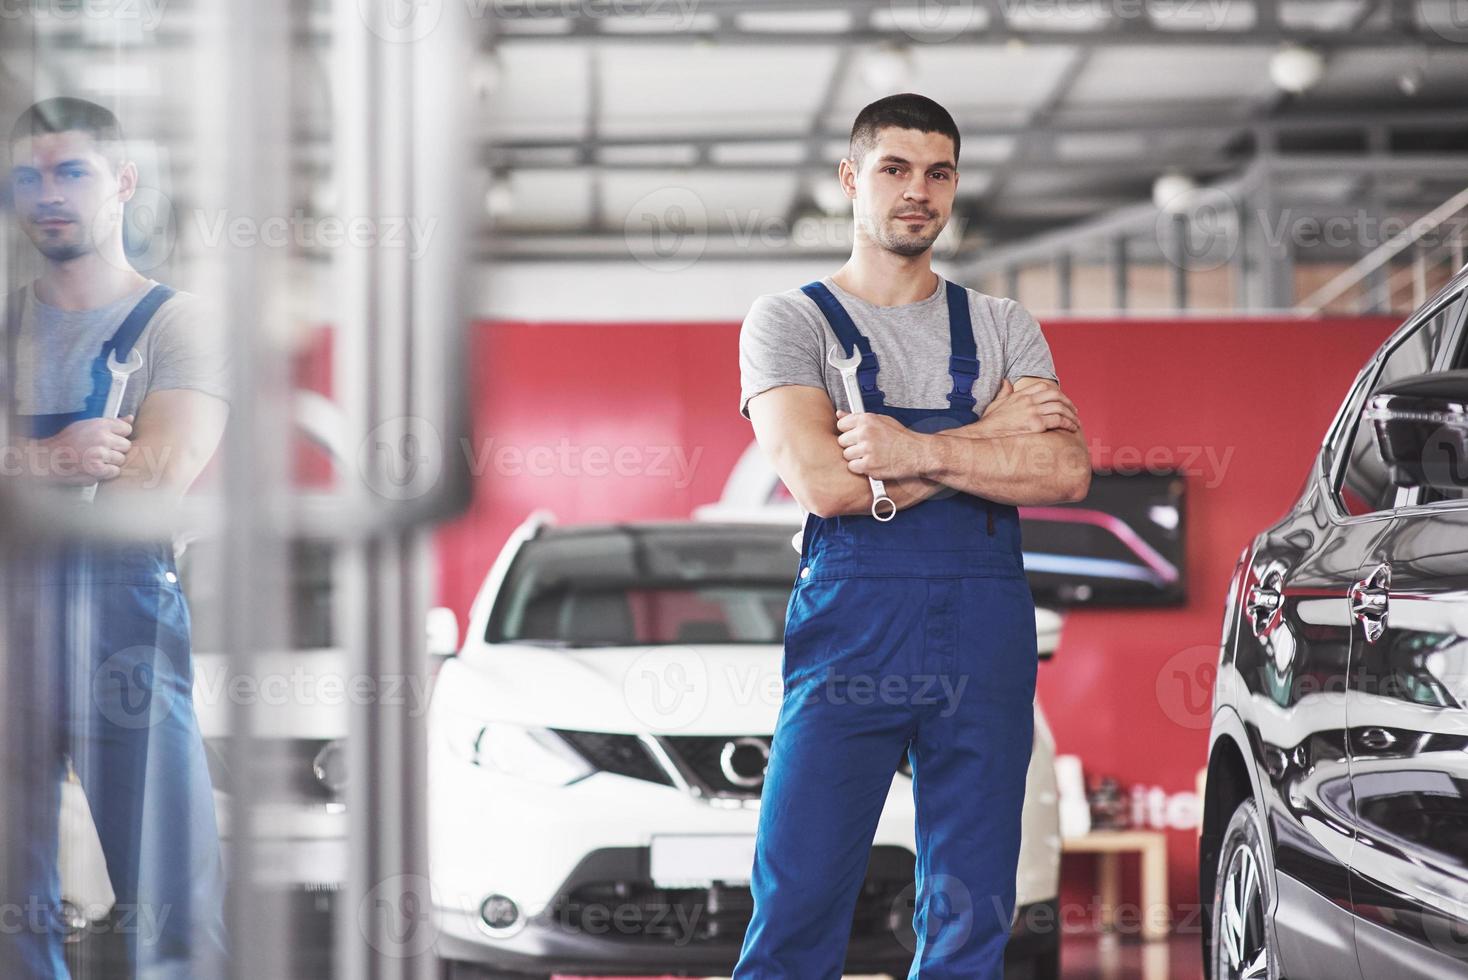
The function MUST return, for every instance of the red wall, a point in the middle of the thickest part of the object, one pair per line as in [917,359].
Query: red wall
[1127,690]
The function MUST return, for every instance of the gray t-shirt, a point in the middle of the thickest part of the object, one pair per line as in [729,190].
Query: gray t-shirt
[785,337]
[181,348]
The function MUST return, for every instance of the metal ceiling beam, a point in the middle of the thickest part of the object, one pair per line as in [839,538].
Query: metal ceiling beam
[1005,239]
[1136,220]
[311,145]
[1139,220]
[500,152]
[528,10]
[1064,37]
[1120,165]
[729,35]
[1028,144]
[593,131]
[987,23]
[721,232]
[1442,165]
[814,149]
[636,21]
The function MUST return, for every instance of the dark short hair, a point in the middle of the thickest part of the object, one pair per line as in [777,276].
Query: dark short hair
[905,111]
[65,113]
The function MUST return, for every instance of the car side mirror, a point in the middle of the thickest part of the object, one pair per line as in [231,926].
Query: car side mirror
[1421,426]
[443,632]
[1047,631]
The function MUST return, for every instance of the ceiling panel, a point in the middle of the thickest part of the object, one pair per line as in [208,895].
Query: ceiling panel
[549,199]
[930,22]
[711,89]
[1322,15]
[1059,16]
[777,154]
[649,155]
[1188,15]
[1092,146]
[970,81]
[541,91]
[1375,73]
[699,199]
[1180,73]
[796,21]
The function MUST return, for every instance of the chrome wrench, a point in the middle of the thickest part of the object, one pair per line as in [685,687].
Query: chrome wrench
[883,507]
[120,373]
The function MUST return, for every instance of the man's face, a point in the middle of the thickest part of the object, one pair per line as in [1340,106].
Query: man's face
[904,190]
[67,195]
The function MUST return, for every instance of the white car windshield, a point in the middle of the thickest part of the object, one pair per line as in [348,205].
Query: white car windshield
[647,585]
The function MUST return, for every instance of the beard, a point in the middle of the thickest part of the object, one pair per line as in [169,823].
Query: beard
[63,251]
[901,242]
[58,248]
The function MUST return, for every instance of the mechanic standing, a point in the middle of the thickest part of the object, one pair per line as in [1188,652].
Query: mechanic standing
[964,420]
[99,633]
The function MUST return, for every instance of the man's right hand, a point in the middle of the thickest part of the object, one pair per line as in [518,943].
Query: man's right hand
[83,453]
[1032,405]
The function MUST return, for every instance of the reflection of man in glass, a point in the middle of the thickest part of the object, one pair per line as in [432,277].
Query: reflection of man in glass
[99,639]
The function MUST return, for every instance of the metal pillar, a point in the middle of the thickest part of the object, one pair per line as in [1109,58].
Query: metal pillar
[1119,272]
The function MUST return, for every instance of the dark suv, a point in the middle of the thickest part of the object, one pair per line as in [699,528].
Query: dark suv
[1335,830]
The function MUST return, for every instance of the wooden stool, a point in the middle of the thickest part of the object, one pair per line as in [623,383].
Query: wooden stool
[1109,845]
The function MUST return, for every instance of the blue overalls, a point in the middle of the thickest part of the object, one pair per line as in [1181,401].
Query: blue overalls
[101,636]
[913,636]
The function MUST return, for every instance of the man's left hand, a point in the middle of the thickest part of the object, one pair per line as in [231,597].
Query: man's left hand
[879,446]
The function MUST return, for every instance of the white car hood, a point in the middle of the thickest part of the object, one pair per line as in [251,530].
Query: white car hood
[714,689]
[704,690]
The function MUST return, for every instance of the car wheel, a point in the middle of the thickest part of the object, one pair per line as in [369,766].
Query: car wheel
[1244,890]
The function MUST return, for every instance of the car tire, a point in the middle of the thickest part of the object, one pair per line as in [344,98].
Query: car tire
[1242,940]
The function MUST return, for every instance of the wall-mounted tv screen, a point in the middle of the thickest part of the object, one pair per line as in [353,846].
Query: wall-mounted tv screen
[1122,545]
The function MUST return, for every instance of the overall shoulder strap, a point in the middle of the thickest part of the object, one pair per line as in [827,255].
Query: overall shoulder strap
[132,327]
[851,339]
[963,362]
[121,343]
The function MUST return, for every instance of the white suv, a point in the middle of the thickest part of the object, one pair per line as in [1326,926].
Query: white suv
[597,749]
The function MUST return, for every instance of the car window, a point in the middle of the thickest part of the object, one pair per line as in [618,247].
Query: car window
[625,587]
[1363,485]
[1433,495]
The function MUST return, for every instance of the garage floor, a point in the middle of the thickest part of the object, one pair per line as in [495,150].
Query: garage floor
[1092,957]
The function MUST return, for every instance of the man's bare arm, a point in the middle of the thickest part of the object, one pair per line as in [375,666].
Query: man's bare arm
[176,432]
[1029,406]
[1034,435]
[1031,413]
[1039,468]
[1027,448]
[795,426]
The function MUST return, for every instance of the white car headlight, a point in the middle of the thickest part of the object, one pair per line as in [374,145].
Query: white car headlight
[537,754]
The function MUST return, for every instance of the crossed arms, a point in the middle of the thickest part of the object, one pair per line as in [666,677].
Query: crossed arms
[1026,449]
[161,452]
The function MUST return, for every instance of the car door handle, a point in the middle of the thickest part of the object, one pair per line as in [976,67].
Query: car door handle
[1377,738]
[1370,601]
[1265,598]
[1263,601]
